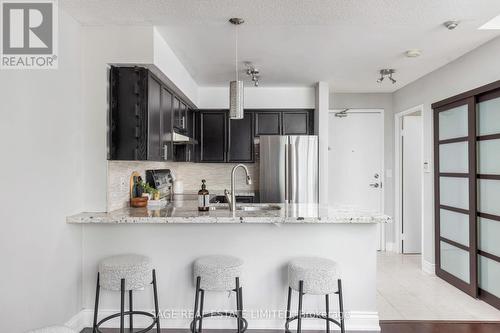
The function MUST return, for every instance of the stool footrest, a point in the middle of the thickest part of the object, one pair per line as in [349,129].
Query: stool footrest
[126,313]
[220,314]
[310,315]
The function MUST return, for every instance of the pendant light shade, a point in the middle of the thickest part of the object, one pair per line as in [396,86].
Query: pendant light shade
[236,88]
[236,100]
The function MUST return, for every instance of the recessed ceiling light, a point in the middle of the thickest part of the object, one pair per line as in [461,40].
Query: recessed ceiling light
[493,24]
[450,25]
[413,53]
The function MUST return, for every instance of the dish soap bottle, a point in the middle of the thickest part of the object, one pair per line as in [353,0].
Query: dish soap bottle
[203,197]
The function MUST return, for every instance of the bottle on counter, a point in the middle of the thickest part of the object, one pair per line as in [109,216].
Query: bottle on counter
[203,197]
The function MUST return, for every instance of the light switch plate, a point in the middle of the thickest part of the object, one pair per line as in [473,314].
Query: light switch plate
[427,167]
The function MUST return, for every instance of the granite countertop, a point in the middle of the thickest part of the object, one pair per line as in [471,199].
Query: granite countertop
[187,212]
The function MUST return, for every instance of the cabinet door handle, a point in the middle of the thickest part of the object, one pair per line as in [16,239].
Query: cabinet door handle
[165,152]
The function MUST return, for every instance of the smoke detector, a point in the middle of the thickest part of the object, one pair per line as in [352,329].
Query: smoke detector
[451,25]
[413,53]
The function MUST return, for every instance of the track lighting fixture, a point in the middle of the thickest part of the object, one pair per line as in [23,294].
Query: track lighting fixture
[253,73]
[386,72]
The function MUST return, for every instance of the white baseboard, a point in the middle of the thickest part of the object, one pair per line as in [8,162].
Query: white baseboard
[357,321]
[428,268]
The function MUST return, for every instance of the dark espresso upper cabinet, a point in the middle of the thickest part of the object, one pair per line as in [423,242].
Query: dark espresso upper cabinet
[166,148]
[154,119]
[240,139]
[230,140]
[212,136]
[284,122]
[296,123]
[130,121]
[267,123]
[143,112]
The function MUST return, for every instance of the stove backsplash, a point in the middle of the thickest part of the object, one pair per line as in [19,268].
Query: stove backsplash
[187,175]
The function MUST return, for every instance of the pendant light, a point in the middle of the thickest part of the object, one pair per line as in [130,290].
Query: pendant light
[236,89]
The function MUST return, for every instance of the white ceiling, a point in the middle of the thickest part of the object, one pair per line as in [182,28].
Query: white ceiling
[299,42]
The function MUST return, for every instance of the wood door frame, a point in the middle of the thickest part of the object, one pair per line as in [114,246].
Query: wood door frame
[382,167]
[398,181]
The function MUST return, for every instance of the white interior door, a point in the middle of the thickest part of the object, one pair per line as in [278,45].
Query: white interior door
[412,184]
[356,155]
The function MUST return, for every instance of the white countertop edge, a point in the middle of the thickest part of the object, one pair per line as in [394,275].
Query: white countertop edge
[89,219]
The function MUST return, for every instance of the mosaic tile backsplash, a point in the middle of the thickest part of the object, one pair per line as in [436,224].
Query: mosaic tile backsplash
[188,177]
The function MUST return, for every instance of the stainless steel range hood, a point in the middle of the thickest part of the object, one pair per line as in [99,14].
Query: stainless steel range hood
[181,139]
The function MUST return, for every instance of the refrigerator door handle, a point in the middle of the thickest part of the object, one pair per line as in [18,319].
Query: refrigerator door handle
[292,177]
[287,175]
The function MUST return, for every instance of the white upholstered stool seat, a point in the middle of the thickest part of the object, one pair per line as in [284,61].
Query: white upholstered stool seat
[53,329]
[134,268]
[217,272]
[319,275]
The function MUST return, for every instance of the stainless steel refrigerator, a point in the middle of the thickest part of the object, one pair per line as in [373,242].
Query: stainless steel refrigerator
[288,169]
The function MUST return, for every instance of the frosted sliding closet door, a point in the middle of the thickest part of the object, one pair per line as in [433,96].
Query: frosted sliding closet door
[455,176]
[467,191]
[488,196]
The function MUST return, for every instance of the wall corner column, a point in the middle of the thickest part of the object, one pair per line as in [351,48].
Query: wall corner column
[321,129]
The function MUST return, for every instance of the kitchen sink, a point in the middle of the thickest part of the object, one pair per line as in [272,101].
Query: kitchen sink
[258,208]
[255,208]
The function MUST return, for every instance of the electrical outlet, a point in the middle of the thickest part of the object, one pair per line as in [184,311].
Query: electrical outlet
[123,184]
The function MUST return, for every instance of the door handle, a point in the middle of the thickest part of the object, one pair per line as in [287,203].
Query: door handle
[376,185]
[287,175]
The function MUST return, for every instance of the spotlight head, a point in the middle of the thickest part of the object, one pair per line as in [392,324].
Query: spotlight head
[380,79]
[392,80]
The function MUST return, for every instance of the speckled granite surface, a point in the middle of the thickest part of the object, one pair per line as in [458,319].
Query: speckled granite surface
[187,212]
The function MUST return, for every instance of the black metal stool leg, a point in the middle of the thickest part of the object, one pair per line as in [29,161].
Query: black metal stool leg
[241,303]
[130,307]
[341,307]
[157,310]
[96,307]
[195,312]
[202,299]
[299,312]
[122,306]
[288,305]
[238,304]
[327,301]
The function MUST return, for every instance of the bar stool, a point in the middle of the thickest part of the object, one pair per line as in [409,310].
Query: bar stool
[122,273]
[315,276]
[217,273]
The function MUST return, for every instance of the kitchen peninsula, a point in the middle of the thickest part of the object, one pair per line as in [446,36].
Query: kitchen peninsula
[264,236]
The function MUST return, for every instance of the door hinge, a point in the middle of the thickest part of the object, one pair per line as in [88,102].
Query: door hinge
[402,236]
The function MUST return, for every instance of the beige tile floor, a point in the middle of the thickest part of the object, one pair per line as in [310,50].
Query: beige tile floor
[405,292]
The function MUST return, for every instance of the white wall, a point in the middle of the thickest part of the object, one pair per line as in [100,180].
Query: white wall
[322,105]
[474,69]
[259,97]
[41,175]
[376,101]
